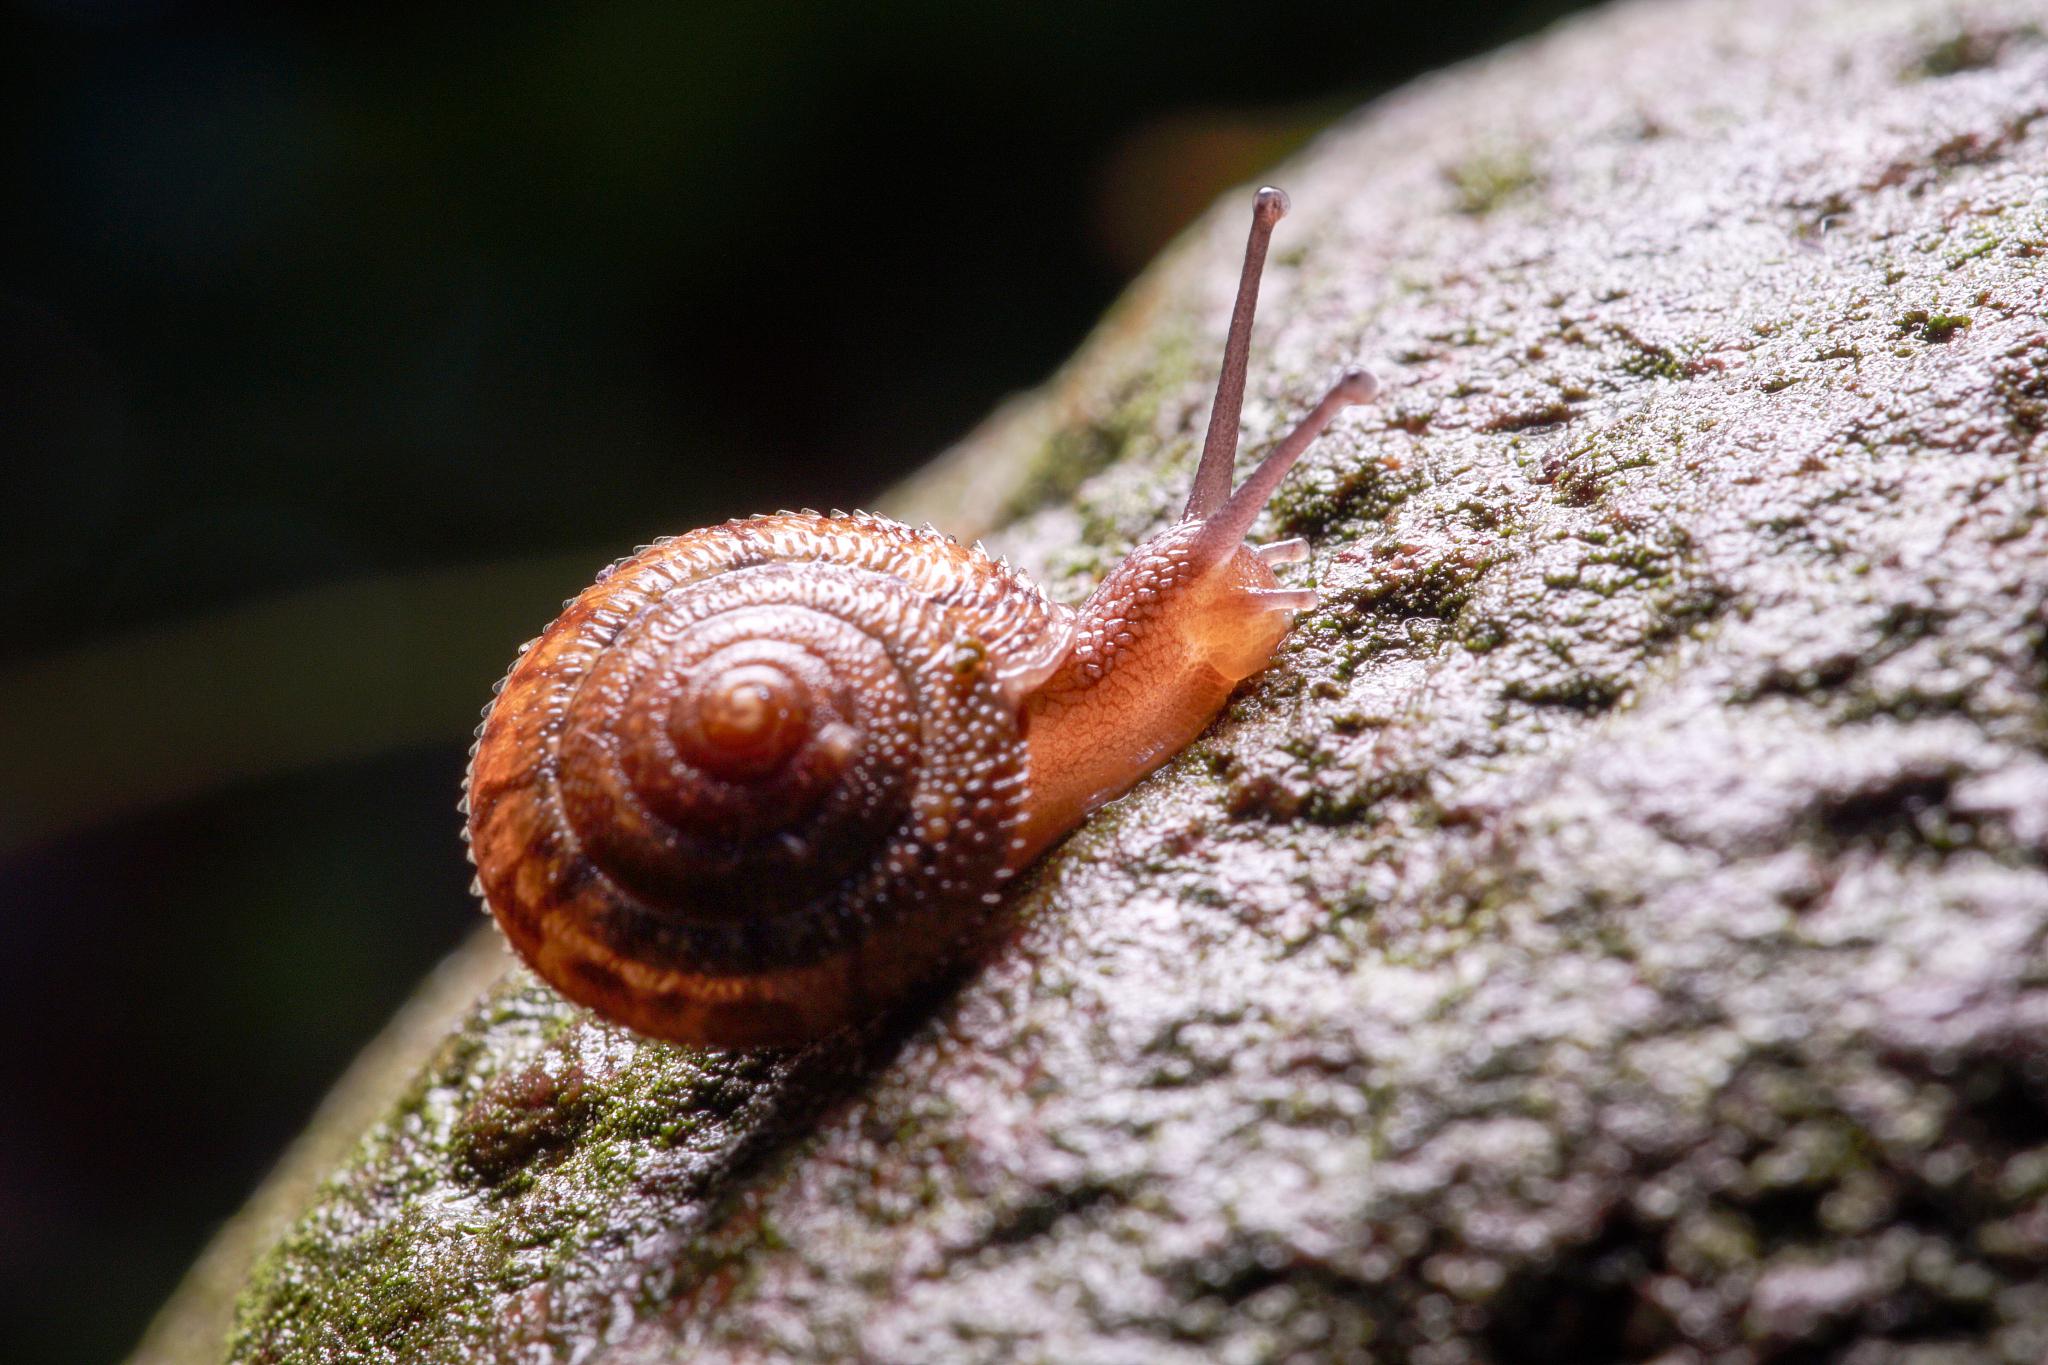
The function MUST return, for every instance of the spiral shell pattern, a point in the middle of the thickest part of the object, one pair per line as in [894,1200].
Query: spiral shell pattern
[760,778]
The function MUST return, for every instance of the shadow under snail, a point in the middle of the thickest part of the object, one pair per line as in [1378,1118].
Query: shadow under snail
[764,778]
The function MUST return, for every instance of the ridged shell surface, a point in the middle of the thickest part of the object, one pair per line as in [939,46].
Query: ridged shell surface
[760,778]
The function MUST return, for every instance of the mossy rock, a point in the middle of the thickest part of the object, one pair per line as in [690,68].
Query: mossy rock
[1614,929]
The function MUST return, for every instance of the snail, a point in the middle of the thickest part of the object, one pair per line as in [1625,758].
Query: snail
[763,779]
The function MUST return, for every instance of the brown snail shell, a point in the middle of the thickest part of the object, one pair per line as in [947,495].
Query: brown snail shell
[758,778]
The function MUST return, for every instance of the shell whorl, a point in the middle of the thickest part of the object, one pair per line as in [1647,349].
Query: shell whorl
[758,778]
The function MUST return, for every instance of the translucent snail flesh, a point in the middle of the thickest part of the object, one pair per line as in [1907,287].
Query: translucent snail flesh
[764,778]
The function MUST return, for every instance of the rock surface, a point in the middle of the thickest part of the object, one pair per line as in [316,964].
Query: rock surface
[1614,930]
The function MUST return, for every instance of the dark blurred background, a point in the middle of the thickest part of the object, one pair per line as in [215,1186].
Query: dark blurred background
[339,343]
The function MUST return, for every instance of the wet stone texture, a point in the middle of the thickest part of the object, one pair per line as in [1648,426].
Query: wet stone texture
[1613,931]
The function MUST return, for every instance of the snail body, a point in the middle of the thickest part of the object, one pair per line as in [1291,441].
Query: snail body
[764,778]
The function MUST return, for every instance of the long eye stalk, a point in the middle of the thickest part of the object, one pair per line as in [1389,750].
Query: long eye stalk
[1227,516]
[1219,447]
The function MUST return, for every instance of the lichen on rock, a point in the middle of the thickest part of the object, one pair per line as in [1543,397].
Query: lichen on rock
[1613,930]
